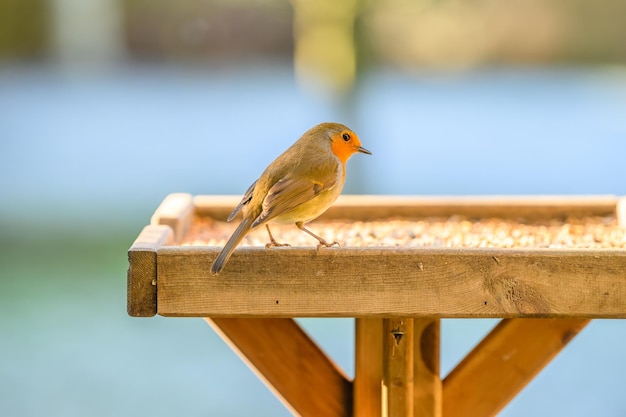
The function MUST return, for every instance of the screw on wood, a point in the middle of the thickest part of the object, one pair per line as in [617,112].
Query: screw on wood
[397,335]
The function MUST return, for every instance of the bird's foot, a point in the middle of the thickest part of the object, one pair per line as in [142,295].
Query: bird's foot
[274,244]
[324,244]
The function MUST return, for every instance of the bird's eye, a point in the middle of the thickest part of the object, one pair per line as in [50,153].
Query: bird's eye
[345,137]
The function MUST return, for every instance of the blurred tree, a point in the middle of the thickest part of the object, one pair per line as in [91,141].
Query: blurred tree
[460,34]
[23,29]
[325,51]
[87,32]
[596,31]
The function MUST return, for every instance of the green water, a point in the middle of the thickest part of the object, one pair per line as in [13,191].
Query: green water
[68,348]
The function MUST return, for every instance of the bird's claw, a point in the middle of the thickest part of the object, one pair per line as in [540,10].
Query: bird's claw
[275,244]
[325,244]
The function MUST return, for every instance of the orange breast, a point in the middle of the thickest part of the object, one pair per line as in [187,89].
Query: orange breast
[343,150]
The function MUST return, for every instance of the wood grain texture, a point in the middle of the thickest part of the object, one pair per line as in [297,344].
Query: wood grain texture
[141,277]
[621,211]
[176,211]
[376,207]
[398,342]
[503,363]
[290,363]
[388,282]
[427,382]
[368,369]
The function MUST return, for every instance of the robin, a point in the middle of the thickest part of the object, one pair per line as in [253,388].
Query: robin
[296,187]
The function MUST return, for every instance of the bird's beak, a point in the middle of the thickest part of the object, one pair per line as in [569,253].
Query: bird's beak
[362,150]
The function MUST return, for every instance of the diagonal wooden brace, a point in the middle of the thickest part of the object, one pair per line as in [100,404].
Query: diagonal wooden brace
[290,363]
[503,363]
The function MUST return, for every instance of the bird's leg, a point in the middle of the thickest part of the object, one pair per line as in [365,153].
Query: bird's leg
[272,240]
[322,241]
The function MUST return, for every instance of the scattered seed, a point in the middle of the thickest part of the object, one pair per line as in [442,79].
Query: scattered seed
[453,232]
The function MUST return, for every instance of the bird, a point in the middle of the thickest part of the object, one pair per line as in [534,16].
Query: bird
[297,187]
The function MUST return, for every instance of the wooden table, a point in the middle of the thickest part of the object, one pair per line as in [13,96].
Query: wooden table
[397,295]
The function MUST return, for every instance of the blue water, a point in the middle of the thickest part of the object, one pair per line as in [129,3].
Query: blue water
[88,156]
[137,134]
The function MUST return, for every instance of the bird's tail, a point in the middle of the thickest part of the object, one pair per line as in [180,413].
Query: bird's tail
[230,246]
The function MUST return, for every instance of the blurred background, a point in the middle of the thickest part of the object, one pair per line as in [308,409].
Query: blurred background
[107,106]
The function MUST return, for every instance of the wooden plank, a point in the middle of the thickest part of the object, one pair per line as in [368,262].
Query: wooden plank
[427,382]
[218,207]
[503,363]
[368,369]
[290,363]
[141,287]
[398,367]
[176,211]
[621,212]
[370,207]
[400,282]
[527,207]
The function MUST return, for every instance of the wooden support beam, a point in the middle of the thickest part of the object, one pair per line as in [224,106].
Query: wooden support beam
[398,367]
[290,363]
[368,369]
[369,400]
[427,382]
[503,363]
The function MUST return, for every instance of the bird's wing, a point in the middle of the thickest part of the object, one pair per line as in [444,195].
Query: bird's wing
[288,193]
[245,200]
